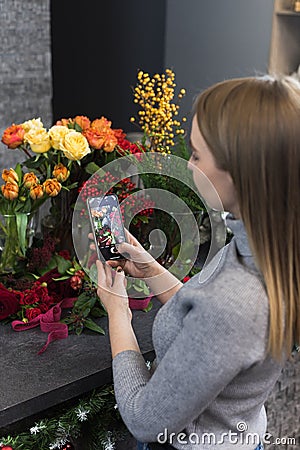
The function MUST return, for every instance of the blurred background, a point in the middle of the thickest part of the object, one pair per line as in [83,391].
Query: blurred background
[66,58]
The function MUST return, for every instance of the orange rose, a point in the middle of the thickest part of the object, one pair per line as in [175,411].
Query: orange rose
[83,121]
[64,122]
[94,137]
[60,172]
[10,191]
[110,142]
[102,125]
[52,187]
[36,191]
[13,136]
[10,176]
[30,179]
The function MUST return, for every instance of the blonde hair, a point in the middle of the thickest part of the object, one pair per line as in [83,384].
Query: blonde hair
[252,127]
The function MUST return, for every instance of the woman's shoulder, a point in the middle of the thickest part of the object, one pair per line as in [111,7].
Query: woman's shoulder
[228,287]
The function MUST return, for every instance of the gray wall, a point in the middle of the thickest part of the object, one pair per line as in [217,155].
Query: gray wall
[25,66]
[208,41]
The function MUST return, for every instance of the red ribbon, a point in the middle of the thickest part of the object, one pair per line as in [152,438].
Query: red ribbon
[49,323]
[137,303]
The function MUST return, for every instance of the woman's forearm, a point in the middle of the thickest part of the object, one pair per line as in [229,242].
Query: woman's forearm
[121,333]
[162,283]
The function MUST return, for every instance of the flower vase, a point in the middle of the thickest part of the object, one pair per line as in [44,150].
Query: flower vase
[16,235]
[59,222]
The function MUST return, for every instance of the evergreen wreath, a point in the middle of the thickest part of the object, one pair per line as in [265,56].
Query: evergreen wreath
[94,421]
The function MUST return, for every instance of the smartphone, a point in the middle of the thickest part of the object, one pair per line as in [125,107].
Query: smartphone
[106,220]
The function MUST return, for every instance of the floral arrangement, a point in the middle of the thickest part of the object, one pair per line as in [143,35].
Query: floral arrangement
[57,163]
[57,166]
[43,284]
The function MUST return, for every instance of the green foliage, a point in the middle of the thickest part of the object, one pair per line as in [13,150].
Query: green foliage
[93,419]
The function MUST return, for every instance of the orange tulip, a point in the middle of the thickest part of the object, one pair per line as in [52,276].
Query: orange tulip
[52,187]
[61,172]
[10,190]
[13,136]
[10,176]
[30,179]
[36,191]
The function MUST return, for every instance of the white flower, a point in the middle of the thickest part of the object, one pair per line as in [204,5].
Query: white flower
[109,444]
[116,406]
[37,428]
[58,444]
[82,414]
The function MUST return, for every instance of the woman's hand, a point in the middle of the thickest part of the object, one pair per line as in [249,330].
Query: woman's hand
[138,262]
[112,288]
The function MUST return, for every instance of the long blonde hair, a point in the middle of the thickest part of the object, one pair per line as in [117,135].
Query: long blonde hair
[252,127]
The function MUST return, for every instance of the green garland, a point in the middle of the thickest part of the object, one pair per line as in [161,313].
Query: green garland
[95,420]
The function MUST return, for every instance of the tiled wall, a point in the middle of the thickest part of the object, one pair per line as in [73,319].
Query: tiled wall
[25,66]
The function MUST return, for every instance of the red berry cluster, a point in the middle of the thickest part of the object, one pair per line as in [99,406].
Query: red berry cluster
[137,205]
[130,205]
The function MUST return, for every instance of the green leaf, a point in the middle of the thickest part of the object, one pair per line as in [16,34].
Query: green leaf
[85,300]
[22,220]
[146,290]
[62,264]
[92,168]
[98,312]
[149,307]
[18,171]
[78,330]
[91,325]
[93,273]
[61,278]
[71,186]
[86,312]
[77,127]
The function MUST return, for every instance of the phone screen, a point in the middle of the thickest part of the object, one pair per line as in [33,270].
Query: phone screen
[107,225]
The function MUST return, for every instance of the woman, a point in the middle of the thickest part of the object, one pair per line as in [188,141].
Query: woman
[220,343]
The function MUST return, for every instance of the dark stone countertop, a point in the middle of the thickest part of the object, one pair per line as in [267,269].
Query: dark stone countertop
[32,383]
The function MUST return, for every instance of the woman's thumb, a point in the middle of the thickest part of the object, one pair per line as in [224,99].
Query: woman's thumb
[119,276]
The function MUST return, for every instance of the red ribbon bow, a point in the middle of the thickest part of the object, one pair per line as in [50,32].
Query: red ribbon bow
[49,323]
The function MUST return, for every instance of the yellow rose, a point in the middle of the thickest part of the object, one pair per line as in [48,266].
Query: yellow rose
[33,123]
[38,139]
[52,187]
[60,172]
[30,179]
[57,135]
[36,191]
[10,176]
[75,146]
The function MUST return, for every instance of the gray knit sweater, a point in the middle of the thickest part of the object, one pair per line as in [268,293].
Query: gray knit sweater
[212,376]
